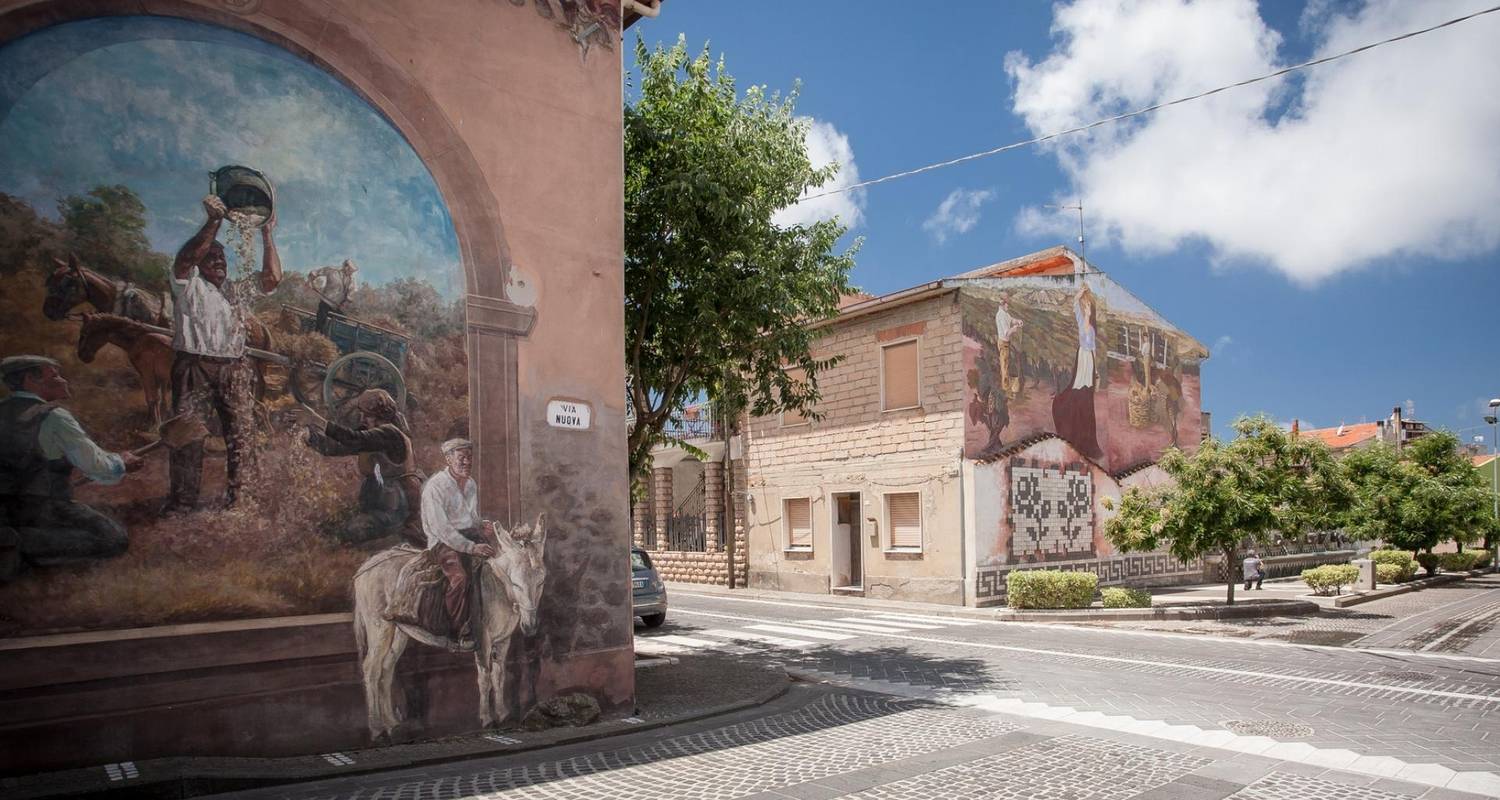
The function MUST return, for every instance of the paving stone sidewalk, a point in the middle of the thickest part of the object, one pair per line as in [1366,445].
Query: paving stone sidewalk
[668,692]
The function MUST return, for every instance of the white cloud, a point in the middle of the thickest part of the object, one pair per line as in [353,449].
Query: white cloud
[1222,343]
[825,145]
[1386,153]
[957,214]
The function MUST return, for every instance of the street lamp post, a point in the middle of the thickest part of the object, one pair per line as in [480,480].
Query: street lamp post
[1493,418]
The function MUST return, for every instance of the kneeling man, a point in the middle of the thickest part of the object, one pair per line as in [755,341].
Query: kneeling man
[450,518]
[40,446]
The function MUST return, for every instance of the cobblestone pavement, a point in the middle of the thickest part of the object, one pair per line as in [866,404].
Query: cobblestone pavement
[1419,708]
[819,744]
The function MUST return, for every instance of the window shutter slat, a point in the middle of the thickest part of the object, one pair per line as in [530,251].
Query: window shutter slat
[900,364]
[799,522]
[905,513]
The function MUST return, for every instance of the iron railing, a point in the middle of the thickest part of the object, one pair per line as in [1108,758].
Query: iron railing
[687,528]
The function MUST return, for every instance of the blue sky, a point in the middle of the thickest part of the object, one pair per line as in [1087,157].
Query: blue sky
[157,104]
[1332,238]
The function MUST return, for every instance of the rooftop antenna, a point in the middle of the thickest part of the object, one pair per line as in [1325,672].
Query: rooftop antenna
[1079,208]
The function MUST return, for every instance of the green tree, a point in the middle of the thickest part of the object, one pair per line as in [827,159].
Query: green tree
[1263,482]
[25,238]
[106,229]
[1423,495]
[716,295]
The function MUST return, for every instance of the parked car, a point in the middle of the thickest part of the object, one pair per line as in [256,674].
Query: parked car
[646,589]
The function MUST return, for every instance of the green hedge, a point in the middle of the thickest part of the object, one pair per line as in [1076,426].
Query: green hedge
[1459,562]
[1390,573]
[1482,559]
[1399,558]
[1050,588]
[1124,597]
[1330,578]
[1429,562]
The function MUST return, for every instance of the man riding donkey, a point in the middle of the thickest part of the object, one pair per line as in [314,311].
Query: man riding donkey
[390,491]
[210,374]
[41,444]
[455,531]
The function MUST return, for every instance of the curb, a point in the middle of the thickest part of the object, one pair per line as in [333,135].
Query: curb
[187,777]
[1247,609]
[1409,586]
[1252,609]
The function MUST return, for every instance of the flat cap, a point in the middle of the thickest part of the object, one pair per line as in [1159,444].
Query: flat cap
[11,364]
[457,444]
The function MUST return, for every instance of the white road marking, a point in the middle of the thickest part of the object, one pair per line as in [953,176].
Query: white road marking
[338,759]
[687,642]
[1053,626]
[795,631]
[495,737]
[1246,673]
[1486,613]
[1420,614]
[757,637]
[122,771]
[857,627]
[886,623]
[1487,783]
[915,618]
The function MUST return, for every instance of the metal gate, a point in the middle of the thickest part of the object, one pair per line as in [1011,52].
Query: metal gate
[687,528]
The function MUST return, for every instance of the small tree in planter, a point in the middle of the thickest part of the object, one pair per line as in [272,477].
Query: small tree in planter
[1263,482]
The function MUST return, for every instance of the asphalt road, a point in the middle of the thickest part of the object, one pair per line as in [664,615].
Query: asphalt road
[898,705]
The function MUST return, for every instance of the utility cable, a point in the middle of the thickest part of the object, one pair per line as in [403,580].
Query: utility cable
[1148,109]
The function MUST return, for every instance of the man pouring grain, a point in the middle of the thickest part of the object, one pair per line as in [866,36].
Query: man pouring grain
[210,375]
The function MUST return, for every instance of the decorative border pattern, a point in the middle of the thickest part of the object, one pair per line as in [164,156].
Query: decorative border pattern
[990,581]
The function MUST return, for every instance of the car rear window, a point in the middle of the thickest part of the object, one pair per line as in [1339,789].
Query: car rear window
[639,561]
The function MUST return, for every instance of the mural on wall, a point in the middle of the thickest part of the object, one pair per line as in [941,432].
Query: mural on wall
[234,357]
[1078,356]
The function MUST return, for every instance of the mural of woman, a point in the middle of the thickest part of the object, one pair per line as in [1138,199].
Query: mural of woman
[1073,408]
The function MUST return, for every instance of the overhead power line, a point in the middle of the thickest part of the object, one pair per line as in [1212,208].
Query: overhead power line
[1148,109]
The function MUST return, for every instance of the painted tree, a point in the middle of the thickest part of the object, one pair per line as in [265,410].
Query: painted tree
[716,293]
[106,229]
[1423,495]
[1264,482]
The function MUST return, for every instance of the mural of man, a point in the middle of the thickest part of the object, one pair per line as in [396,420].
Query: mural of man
[333,286]
[41,444]
[450,518]
[390,492]
[1006,326]
[209,371]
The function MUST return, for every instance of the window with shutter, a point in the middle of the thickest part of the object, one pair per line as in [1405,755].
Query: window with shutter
[898,364]
[795,375]
[904,513]
[798,523]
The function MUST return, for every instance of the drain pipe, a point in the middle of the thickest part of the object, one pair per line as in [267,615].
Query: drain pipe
[646,9]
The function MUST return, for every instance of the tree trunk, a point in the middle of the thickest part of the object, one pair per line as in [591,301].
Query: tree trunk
[1230,578]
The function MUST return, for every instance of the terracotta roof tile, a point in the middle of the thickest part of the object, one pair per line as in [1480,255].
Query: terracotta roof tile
[1345,435]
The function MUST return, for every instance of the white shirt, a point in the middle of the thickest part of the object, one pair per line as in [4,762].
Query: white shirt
[1005,325]
[447,509]
[62,437]
[205,320]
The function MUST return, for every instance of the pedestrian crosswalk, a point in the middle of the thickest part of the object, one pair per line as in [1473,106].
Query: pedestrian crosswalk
[790,634]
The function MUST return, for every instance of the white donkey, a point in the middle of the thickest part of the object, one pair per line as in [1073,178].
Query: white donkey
[510,587]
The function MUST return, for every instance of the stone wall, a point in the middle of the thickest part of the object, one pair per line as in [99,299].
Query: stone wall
[712,566]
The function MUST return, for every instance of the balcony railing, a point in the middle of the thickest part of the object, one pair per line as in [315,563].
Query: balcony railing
[695,423]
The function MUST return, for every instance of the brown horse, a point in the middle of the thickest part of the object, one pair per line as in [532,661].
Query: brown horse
[149,352]
[72,284]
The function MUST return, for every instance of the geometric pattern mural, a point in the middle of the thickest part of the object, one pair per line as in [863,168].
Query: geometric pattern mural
[1051,512]
[1141,569]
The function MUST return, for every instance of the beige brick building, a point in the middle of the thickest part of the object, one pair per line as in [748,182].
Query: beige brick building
[974,426]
